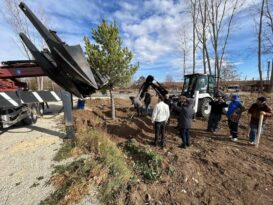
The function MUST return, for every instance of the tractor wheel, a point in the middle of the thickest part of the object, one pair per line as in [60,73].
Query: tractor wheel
[41,109]
[32,117]
[204,107]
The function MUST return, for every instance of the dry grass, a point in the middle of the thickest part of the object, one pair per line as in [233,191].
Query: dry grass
[106,168]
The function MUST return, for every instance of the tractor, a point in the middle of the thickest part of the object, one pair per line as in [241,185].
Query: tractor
[206,85]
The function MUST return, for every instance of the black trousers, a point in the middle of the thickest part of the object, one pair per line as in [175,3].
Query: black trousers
[233,128]
[160,133]
[213,121]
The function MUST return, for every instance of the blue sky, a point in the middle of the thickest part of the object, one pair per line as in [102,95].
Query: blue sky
[150,28]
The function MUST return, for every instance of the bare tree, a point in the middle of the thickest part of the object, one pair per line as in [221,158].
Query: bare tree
[229,72]
[19,23]
[260,44]
[268,34]
[220,18]
[184,44]
[194,21]
[201,31]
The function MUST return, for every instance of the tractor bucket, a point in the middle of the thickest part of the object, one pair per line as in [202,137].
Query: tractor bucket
[70,61]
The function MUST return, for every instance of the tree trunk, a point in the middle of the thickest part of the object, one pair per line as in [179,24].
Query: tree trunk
[268,71]
[113,110]
[204,23]
[208,60]
[193,50]
[184,63]
[270,86]
[260,46]
[193,35]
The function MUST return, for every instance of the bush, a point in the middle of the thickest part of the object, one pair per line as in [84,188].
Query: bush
[147,163]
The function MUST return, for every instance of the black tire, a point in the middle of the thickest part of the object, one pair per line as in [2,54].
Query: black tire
[32,117]
[41,109]
[204,108]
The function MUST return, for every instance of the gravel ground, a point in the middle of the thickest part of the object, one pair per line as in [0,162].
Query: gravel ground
[26,160]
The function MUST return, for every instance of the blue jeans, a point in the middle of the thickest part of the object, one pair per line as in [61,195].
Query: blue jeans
[253,132]
[185,137]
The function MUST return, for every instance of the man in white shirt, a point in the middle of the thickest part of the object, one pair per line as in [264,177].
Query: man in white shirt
[160,116]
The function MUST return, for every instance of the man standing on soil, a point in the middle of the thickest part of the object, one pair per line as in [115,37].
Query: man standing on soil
[235,109]
[255,112]
[160,116]
[137,105]
[217,106]
[186,113]
[147,102]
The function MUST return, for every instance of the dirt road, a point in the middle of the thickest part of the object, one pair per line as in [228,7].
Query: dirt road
[26,160]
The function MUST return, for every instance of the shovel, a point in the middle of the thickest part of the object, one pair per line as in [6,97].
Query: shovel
[259,128]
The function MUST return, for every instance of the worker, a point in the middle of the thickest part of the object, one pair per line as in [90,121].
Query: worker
[160,116]
[217,105]
[235,110]
[254,111]
[137,105]
[147,102]
[186,113]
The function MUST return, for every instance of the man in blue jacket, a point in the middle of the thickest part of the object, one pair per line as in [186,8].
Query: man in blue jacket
[235,109]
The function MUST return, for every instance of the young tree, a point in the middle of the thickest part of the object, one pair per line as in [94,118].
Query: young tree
[109,58]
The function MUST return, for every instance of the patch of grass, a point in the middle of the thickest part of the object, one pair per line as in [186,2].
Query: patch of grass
[112,160]
[66,177]
[170,171]
[107,167]
[147,163]
[64,152]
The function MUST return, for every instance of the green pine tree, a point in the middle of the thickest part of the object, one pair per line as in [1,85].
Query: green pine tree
[108,57]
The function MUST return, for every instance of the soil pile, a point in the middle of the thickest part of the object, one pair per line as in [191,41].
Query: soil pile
[214,170]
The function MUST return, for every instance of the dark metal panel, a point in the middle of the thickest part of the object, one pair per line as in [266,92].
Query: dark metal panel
[28,97]
[47,96]
[4,102]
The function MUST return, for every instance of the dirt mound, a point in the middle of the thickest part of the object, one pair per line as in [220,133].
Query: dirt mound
[214,170]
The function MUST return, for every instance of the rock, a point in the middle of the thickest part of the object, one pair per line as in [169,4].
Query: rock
[148,198]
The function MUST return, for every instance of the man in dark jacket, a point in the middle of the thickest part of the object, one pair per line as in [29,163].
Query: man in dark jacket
[217,106]
[186,113]
[255,112]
